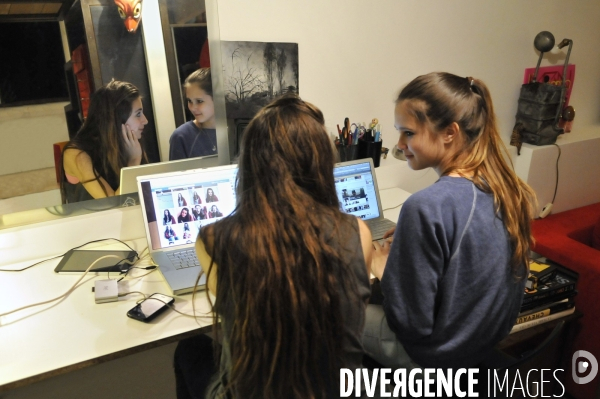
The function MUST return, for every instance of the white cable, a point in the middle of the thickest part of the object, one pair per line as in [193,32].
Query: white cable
[70,289]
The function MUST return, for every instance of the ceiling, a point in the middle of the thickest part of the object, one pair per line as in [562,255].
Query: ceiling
[33,10]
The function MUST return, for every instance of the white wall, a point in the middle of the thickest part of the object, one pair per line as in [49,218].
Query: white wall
[578,170]
[27,134]
[356,55]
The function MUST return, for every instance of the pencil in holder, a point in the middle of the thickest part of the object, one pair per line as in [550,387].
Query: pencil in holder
[347,152]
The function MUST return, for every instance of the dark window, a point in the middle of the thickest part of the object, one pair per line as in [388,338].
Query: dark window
[31,63]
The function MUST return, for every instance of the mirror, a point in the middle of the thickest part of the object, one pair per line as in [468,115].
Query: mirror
[27,174]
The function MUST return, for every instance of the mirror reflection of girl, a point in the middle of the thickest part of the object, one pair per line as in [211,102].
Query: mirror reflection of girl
[180,200]
[108,141]
[210,196]
[196,138]
[168,218]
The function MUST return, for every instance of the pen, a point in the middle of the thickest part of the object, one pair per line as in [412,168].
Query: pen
[341,134]
[377,132]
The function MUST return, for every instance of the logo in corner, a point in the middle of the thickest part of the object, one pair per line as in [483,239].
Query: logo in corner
[580,366]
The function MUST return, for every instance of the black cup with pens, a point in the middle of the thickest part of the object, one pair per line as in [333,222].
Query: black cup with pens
[347,142]
[359,143]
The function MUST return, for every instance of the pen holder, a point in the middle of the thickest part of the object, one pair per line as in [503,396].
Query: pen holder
[347,152]
[370,149]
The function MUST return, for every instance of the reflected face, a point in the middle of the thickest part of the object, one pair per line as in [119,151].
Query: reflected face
[422,147]
[197,208]
[184,213]
[214,208]
[137,120]
[209,192]
[201,106]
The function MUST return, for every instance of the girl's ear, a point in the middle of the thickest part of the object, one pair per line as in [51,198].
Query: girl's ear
[451,133]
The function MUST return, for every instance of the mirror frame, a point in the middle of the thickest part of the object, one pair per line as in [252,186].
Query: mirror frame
[160,83]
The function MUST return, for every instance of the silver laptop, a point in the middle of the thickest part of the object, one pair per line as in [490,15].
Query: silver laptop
[175,206]
[129,174]
[358,194]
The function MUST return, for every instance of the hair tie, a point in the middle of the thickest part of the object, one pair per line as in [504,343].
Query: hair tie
[470,80]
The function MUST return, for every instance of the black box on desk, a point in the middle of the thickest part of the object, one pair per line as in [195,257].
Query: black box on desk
[562,285]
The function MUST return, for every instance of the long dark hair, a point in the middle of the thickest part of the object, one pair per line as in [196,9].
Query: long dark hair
[282,278]
[101,136]
[439,99]
[167,219]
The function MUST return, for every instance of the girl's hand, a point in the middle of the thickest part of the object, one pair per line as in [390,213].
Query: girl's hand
[390,232]
[133,148]
[380,256]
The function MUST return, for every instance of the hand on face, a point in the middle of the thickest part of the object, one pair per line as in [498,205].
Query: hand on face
[133,148]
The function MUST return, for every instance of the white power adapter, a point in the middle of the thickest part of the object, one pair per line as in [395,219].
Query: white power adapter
[106,291]
[546,210]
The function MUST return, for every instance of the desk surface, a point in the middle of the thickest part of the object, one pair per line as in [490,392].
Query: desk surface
[75,332]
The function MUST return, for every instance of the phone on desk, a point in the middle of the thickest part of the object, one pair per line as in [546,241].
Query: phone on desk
[150,307]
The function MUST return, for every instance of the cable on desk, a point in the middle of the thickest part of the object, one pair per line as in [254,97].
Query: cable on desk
[394,207]
[68,291]
[151,268]
[82,245]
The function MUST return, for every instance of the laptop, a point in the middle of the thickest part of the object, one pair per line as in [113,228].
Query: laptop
[358,194]
[129,174]
[174,207]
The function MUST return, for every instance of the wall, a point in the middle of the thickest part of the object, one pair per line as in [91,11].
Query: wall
[355,55]
[27,130]
[578,170]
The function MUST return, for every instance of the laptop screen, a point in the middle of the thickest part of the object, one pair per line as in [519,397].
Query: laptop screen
[357,189]
[178,204]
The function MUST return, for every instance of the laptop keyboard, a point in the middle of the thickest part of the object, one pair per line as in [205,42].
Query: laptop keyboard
[379,227]
[183,259]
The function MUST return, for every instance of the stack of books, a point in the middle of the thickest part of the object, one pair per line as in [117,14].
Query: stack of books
[549,294]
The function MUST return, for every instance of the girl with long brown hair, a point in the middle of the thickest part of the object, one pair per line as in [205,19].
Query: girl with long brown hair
[288,268]
[108,141]
[454,276]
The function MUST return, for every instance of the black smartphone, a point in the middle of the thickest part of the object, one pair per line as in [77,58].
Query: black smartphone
[150,307]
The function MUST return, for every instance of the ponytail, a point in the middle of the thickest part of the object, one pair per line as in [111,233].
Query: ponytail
[467,101]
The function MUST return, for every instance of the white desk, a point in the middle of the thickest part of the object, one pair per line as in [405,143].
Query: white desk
[76,332]
[391,201]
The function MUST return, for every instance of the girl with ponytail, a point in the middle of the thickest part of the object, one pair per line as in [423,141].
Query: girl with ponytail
[453,277]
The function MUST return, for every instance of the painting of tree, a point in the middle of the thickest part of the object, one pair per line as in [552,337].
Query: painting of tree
[255,73]
[269,54]
[281,64]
